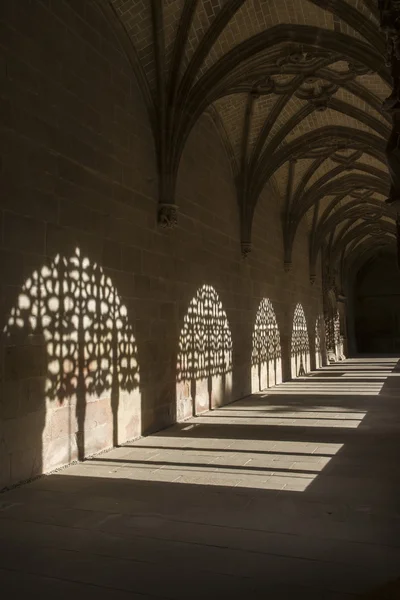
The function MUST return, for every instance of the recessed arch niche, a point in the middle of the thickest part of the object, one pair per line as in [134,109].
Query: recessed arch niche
[266,356]
[300,347]
[204,364]
[83,366]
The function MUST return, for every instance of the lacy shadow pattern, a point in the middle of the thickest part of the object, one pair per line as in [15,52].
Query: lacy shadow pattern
[300,349]
[266,357]
[334,337]
[204,365]
[319,324]
[339,350]
[92,376]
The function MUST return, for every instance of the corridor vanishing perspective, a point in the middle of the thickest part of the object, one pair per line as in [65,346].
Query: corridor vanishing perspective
[199,259]
[289,493]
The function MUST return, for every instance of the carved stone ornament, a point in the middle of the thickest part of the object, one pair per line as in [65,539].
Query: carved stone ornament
[263,86]
[317,91]
[347,161]
[360,192]
[301,59]
[167,215]
[246,248]
[313,278]
[358,69]
[373,214]
[376,232]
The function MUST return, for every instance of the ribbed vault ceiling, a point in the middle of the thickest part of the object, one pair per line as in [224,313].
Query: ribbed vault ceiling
[295,88]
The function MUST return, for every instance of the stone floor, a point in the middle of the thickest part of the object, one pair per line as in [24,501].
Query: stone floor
[289,494]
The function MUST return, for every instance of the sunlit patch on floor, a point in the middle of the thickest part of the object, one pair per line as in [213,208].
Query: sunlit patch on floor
[282,439]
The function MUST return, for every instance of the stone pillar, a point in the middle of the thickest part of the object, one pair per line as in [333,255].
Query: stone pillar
[342,308]
[286,356]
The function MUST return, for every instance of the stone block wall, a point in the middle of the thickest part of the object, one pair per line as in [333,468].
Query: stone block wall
[94,295]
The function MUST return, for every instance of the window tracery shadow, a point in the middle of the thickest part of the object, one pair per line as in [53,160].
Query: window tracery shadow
[91,379]
[300,347]
[319,342]
[204,363]
[339,350]
[266,357]
[334,337]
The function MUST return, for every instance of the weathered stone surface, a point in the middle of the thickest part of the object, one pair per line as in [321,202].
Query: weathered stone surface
[79,171]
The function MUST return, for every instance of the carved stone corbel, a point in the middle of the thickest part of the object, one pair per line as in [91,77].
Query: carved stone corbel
[246,248]
[167,215]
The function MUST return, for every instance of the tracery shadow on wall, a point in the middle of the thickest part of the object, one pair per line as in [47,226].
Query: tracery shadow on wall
[266,357]
[72,314]
[319,324]
[338,337]
[300,347]
[334,337]
[204,364]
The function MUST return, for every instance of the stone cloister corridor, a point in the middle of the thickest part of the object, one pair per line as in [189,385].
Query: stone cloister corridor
[289,493]
[199,299]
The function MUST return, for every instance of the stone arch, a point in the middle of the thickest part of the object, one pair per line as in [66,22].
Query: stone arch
[83,365]
[266,357]
[184,78]
[376,230]
[204,364]
[129,50]
[300,346]
[347,183]
[361,250]
[306,35]
[368,208]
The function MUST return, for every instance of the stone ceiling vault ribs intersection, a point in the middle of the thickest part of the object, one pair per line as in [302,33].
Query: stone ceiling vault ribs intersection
[270,74]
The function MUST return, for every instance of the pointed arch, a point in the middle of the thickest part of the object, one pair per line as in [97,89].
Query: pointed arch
[266,356]
[204,364]
[70,323]
[300,347]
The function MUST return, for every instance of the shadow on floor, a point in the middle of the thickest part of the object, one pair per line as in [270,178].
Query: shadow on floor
[231,504]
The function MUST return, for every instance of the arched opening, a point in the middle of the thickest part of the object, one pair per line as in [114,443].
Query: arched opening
[300,350]
[81,372]
[266,357]
[204,365]
[377,306]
